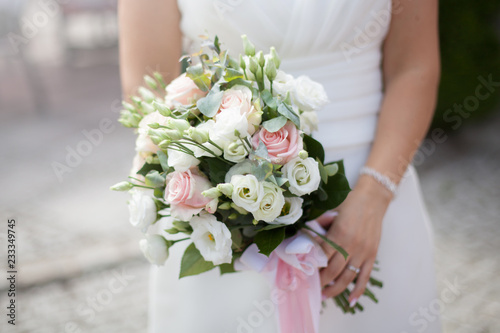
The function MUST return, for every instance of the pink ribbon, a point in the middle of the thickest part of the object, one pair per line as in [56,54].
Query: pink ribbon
[293,269]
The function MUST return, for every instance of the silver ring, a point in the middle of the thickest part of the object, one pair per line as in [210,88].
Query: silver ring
[354,269]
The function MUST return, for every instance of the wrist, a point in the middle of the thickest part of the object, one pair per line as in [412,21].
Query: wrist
[370,186]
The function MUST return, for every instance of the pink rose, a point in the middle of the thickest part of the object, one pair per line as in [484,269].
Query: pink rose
[183,193]
[282,145]
[183,90]
[240,97]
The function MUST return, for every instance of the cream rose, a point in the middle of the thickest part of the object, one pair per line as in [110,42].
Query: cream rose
[142,210]
[240,97]
[303,175]
[155,249]
[247,192]
[282,145]
[227,122]
[183,91]
[212,238]
[181,161]
[291,212]
[307,94]
[235,152]
[183,193]
[271,204]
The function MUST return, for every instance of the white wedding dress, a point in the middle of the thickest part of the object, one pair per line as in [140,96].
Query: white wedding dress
[337,43]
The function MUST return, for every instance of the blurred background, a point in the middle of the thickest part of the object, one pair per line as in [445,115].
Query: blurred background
[80,269]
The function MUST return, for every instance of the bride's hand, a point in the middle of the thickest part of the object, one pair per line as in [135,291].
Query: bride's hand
[357,228]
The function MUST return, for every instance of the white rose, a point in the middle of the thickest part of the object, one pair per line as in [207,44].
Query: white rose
[247,192]
[309,122]
[308,94]
[282,83]
[271,204]
[227,122]
[212,238]
[235,152]
[181,161]
[303,175]
[155,249]
[292,211]
[142,209]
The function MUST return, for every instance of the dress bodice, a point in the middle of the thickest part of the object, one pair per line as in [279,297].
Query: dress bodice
[335,42]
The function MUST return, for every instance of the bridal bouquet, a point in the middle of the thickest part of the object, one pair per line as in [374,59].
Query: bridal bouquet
[227,156]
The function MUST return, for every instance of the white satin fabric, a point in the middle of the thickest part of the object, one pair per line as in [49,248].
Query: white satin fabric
[337,43]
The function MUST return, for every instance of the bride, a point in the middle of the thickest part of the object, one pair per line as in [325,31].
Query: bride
[379,63]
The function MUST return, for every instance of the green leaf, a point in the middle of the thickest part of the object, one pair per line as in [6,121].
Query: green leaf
[337,190]
[286,110]
[322,171]
[227,268]
[209,105]
[148,167]
[215,169]
[275,124]
[199,77]
[162,157]
[237,239]
[232,74]
[236,82]
[192,262]
[268,240]
[154,179]
[216,44]
[314,148]
[273,226]
[340,166]
[268,98]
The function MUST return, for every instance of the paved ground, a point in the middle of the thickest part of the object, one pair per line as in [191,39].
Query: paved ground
[79,266]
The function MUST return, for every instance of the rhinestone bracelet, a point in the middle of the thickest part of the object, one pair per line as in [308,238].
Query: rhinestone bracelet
[383,180]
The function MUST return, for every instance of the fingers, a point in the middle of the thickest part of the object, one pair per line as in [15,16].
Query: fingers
[326,219]
[342,282]
[335,267]
[363,277]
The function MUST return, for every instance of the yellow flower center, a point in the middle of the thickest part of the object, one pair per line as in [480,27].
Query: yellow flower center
[211,237]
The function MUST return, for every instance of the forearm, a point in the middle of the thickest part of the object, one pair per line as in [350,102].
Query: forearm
[150,41]
[405,115]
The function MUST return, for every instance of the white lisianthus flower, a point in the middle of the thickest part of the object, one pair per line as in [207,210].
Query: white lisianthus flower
[142,209]
[227,122]
[235,152]
[308,94]
[181,161]
[155,249]
[282,83]
[309,122]
[247,192]
[212,238]
[303,175]
[291,212]
[271,204]
[207,127]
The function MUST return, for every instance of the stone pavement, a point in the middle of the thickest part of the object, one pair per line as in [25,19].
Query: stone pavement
[80,269]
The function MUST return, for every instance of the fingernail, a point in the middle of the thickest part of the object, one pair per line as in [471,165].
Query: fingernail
[330,213]
[323,298]
[353,302]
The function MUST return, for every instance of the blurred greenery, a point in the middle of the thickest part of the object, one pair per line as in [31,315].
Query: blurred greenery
[470,47]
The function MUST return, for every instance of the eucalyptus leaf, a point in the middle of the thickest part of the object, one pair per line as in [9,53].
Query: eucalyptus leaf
[268,98]
[154,179]
[275,124]
[162,157]
[286,111]
[268,240]
[210,104]
[232,74]
[199,77]
[192,262]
